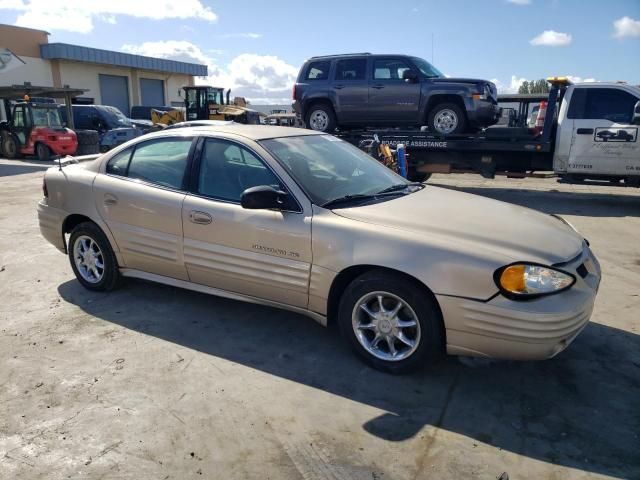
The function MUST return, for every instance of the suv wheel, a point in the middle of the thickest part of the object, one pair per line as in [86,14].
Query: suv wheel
[321,118]
[390,322]
[446,119]
[92,258]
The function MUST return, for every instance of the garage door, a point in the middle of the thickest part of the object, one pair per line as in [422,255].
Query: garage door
[114,91]
[152,92]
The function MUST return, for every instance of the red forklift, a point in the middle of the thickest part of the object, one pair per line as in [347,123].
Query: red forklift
[35,129]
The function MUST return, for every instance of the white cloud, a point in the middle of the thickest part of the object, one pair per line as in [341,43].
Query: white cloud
[241,35]
[520,2]
[511,87]
[259,78]
[551,38]
[78,15]
[516,82]
[626,27]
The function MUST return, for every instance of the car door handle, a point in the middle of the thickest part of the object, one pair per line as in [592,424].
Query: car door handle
[377,87]
[338,87]
[110,200]
[200,218]
[585,131]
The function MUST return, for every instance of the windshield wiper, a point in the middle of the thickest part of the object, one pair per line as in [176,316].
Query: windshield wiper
[346,198]
[400,186]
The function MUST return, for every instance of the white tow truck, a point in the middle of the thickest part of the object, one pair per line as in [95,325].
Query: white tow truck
[583,132]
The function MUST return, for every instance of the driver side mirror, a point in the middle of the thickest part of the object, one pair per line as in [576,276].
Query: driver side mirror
[263,197]
[410,76]
[635,119]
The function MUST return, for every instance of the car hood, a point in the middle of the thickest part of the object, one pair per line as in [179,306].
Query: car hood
[518,233]
[458,80]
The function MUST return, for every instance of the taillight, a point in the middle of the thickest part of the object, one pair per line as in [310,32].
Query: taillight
[45,192]
[294,91]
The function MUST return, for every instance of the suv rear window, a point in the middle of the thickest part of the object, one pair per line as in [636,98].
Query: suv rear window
[318,70]
[352,69]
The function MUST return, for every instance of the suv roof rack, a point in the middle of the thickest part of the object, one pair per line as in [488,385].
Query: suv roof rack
[342,55]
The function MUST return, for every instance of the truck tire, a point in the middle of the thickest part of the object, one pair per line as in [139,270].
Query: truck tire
[43,152]
[87,150]
[10,147]
[87,137]
[321,118]
[446,119]
[418,176]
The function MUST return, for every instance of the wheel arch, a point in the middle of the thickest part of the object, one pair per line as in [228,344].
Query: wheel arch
[439,98]
[75,219]
[346,276]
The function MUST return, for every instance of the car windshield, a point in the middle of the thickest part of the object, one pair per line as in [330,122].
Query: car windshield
[327,168]
[426,68]
[115,118]
[46,117]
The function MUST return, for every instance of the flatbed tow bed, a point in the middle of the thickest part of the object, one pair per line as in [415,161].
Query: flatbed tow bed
[566,145]
[511,151]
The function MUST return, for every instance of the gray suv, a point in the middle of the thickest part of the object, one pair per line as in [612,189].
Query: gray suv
[365,90]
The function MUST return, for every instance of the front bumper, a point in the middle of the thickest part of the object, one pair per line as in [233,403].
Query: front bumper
[50,220]
[523,330]
[483,113]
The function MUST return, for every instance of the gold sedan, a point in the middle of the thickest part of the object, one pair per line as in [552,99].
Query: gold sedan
[304,221]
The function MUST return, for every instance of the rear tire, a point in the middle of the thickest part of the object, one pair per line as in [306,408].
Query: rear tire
[408,338]
[321,118]
[92,258]
[10,147]
[43,152]
[447,119]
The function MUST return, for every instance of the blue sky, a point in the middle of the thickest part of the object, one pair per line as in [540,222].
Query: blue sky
[256,46]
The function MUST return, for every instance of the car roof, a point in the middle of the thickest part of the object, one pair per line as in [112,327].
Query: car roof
[252,132]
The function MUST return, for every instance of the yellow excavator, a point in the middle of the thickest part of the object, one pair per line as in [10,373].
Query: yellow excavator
[210,103]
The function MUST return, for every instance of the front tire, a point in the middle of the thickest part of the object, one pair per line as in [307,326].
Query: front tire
[446,119]
[43,152]
[92,258]
[321,118]
[390,322]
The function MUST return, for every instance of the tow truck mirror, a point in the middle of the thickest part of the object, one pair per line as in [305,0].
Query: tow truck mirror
[409,76]
[636,114]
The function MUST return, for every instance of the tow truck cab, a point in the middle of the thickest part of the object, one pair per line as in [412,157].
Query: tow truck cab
[597,133]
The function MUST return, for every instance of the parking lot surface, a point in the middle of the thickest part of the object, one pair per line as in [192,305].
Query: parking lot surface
[153,382]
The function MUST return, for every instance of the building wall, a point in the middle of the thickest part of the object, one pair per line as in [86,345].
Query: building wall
[85,75]
[37,71]
[22,41]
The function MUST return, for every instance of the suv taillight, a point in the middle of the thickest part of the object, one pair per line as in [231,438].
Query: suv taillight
[294,91]
[45,192]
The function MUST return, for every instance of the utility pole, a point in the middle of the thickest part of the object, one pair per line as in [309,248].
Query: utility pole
[432,48]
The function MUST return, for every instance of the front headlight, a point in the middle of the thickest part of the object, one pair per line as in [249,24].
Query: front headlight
[527,280]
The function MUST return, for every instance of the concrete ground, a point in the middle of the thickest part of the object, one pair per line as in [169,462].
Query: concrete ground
[152,382]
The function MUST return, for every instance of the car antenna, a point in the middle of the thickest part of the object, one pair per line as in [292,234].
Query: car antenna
[59,164]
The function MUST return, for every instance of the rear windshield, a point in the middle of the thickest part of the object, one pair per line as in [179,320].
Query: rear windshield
[114,117]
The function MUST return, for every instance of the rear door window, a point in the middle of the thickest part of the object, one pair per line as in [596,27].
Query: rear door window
[318,70]
[352,69]
[161,162]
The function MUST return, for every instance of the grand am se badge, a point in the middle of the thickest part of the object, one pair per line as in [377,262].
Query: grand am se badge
[275,251]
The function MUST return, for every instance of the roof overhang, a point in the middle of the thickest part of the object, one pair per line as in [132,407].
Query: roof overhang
[17,92]
[77,53]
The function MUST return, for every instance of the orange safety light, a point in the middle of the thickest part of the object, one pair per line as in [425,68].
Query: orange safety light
[26,98]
